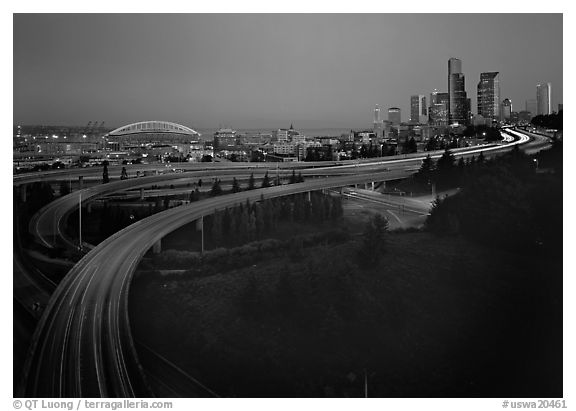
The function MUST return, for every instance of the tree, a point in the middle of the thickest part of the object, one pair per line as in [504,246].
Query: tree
[446,162]
[266,181]
[481,158]
[124,174]
[300,178]
[105,177]
[207,158]
[194,195]
[235,186]
[432,144]
[426,167]
[251,182]
[372,244]
[410,146]
[216,189]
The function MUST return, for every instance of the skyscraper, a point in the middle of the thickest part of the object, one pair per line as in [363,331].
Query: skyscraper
[506,110]
[376,114]
[378,126]
[489,95]
[418,111]
[438,112]
[544,99]
[394,115]
[457,111]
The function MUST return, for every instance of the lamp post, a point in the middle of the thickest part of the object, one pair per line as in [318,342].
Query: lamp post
[80,220]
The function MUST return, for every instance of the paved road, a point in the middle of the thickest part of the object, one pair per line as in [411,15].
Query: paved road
[83,346]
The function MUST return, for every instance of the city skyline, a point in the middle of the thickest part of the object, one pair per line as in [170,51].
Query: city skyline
[207,70]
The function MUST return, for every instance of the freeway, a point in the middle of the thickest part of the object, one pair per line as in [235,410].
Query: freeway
[83,346]
[47,225]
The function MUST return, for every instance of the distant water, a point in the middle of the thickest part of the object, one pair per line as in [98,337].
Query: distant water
[207,133]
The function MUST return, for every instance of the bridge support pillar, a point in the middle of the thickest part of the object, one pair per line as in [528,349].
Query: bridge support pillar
[383,184]
[372,185]
[157,247]
[200,227]
[141,193]
[80,182]
[309,196]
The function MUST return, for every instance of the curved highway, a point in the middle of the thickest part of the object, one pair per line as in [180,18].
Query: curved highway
[82,346]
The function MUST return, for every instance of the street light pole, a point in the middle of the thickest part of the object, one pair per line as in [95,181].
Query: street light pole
[80,220]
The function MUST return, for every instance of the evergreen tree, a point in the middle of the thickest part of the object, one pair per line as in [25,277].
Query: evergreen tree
[235,186]
[251,182]
[481,158]
[266,181]
[426,167]
[194,195]
[300,178]
[372,244]
[105,177]
[216,189]
[446,162]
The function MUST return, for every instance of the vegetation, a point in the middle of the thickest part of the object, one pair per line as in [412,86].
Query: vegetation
[550,121]
[105,177]
[485,132]
[373,241]
[433,318]
[504,203]
[253,221]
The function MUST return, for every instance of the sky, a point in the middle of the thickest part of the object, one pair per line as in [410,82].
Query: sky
[267,70]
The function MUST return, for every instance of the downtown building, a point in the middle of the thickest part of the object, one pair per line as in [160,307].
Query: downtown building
[394,116]
[489,96]
[378,125]
[459,105]
[438,109]
[506,112]
[544,99]
[418,110]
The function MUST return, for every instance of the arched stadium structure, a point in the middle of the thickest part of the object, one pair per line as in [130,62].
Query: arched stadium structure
[152,132]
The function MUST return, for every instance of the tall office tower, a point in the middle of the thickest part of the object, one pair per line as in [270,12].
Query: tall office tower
[506,110]
[544,99]
[394,115]
[457,110]
[377,114]
[438,111]
[489,95]
[418,111]
[378,125]
[531,106]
